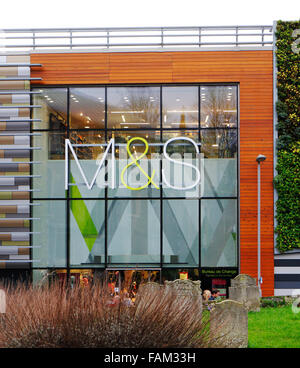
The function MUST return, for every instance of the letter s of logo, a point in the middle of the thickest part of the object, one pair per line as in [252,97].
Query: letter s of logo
[295,44]
[181,163]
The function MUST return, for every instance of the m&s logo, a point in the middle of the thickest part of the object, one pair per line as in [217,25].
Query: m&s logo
[179,171]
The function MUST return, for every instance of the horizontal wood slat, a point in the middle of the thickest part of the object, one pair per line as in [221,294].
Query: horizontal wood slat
[253,70]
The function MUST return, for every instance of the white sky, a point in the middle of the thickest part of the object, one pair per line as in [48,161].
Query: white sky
[140,13]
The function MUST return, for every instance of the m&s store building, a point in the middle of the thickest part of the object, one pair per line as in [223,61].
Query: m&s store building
[131,153]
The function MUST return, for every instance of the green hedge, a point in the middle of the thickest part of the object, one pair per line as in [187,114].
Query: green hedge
[287,182]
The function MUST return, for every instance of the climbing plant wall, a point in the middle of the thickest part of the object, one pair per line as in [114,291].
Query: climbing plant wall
[287,182]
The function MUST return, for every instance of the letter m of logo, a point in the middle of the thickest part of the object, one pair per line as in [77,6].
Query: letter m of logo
[68,146]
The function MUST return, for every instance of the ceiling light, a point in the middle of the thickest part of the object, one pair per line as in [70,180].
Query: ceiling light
[140,123]
[127,112]
[177,111]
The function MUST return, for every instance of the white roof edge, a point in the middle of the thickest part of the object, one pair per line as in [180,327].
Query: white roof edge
[165,49]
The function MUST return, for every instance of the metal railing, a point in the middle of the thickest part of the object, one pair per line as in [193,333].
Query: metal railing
[152,37]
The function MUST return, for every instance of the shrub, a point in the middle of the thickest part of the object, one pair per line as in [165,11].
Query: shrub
[59,317]
[273,302]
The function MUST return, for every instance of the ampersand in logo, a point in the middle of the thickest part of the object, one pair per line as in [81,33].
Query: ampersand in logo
[135,161]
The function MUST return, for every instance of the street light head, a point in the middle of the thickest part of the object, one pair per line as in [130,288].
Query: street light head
[260,158]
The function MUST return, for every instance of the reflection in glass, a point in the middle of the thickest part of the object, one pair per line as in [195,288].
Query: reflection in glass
[133,107]
[53,112]
[180,107]
[218,106]
[219,143]
[87,233]
[49,234]
[180,233]
[219,233]
[134,231]
[52,160]
[87,108]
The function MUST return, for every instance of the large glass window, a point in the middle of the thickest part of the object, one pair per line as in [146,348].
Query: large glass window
[219,150]
[180,107]
[134,232]
[49,234]
[49,169]
[133,107]
[87,108]
[89,147]
[180,233]
[218,106]
[87,233]
[178,174]
[219,233]
[128,174]
[53,112]
[163,225]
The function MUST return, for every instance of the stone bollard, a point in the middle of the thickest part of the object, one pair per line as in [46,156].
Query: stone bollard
[187,289]
[244,290]
[229,325]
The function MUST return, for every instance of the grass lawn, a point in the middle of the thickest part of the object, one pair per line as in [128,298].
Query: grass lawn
[274,328]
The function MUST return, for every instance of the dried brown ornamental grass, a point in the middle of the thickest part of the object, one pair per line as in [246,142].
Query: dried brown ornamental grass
[60,317]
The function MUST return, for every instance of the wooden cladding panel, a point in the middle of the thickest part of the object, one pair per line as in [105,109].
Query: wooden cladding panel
[253,70]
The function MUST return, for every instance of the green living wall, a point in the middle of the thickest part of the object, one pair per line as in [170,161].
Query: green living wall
[287,182]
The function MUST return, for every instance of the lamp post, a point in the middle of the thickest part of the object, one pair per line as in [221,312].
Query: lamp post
[259,159]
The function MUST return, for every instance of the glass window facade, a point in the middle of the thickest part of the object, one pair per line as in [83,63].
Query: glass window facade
[158,226]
